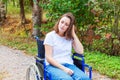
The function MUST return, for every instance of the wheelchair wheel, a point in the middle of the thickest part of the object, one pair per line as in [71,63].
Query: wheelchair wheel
[33,73]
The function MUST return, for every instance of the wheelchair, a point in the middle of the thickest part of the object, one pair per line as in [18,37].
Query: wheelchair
[36,71]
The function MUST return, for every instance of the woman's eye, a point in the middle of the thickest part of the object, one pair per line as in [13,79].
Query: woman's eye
[66,24]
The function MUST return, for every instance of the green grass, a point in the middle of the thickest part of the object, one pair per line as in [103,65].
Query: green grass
[26,44]
[13,9]
[105,64]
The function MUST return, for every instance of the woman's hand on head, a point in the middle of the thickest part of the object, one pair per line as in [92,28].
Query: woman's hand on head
[68,71]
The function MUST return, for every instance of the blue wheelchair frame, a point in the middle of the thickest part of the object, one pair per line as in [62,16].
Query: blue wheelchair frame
[78,59]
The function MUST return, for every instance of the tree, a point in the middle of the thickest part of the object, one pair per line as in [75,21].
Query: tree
[115,28]
[31,2]
[37,16]
[22,12]
[2,11]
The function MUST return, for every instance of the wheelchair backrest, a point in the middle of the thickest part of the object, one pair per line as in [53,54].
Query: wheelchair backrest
[41,49]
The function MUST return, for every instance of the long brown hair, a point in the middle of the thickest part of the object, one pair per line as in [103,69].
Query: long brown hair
[68,33]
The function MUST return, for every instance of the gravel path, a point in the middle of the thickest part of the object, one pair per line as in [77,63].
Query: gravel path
[14,63]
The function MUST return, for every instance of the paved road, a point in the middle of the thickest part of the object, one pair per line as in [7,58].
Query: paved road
[13,65]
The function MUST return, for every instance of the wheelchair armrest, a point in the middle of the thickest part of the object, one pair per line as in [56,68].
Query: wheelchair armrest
[79,61]
[80,58]
[39,60]
[77,55]
[90,70]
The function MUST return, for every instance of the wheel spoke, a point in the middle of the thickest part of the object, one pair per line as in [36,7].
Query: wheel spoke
[33,73]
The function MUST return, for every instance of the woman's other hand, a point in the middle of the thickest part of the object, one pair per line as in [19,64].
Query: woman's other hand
[68,71]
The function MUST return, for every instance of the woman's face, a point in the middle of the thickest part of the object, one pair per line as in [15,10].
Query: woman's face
[63,24]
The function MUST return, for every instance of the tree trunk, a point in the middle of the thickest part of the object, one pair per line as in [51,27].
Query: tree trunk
[115,28]
[13,2]
[31,3]
[2,11]
[22,12]
[37,16]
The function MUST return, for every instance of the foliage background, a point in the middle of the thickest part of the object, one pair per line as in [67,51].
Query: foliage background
[95,20]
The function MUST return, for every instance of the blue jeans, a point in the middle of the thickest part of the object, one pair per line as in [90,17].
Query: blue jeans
[58,74]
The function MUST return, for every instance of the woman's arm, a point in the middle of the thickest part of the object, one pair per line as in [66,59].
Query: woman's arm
[77,45]
[48,55]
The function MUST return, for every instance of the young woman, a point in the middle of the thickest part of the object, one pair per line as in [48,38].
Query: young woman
[58,49]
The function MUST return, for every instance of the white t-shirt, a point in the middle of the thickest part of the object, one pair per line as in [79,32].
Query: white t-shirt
[62,48]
